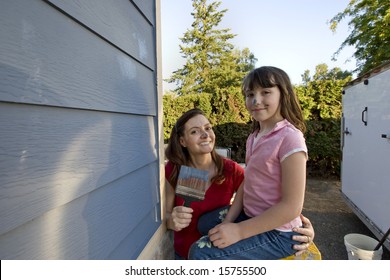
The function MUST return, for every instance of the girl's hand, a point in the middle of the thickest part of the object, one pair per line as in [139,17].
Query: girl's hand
[225,234]
[181,217]
[306,237]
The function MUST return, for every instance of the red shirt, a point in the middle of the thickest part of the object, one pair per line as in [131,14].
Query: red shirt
[217,195]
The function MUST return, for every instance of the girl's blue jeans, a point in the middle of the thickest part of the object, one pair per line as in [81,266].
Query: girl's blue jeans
[269,245]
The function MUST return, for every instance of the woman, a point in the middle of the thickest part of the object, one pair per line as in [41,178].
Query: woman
[192,143]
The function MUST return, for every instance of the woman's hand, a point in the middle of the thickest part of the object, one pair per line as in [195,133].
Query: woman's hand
[306,237]
[180,218]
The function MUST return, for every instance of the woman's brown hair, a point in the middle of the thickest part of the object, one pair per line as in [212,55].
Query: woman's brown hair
[178,155]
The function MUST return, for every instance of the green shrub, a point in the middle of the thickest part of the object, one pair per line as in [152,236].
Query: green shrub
[174,107]
[323,144]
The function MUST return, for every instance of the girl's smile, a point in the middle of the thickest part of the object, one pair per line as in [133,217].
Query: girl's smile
[263,104]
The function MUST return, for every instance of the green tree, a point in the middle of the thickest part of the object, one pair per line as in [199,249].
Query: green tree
[212,62]
[320,98]
[370,32]
[213,65]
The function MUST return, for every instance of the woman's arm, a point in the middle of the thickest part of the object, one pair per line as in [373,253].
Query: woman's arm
[178,217]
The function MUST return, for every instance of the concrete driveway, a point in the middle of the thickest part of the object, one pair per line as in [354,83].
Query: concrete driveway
[332,219]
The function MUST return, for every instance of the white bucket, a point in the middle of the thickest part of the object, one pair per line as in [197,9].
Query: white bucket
[361,247]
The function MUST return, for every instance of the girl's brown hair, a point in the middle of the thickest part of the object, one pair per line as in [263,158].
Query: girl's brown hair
[267,77]
[178,155]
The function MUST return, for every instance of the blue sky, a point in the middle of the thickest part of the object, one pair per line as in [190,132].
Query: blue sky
[290,34]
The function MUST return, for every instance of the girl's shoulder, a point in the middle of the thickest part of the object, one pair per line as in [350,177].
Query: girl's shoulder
[290,128]
[287,131]
[291,132]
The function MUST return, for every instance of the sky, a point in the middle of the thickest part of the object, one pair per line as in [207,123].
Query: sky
[293,35]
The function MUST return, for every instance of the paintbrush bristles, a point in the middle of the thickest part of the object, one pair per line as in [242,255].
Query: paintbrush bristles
[189,192]
[192,183]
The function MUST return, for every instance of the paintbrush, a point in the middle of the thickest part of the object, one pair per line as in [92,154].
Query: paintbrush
[382,240]
[191,184]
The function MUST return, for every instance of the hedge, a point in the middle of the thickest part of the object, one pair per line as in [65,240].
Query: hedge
[321,108]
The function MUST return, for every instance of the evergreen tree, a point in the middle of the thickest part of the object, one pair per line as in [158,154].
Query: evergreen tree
[213,65]
[370,32]
[205,49]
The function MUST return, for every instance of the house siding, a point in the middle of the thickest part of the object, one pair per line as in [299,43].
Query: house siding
[80,164]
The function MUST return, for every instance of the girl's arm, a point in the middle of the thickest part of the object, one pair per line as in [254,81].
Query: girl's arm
[289,207]
[178,217]
[236,207]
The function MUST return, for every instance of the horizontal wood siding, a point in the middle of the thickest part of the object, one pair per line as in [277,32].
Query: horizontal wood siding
[92,225]
[50,59]
[128,249]
[50,156]
[79,145]
[147,8]
[119,22]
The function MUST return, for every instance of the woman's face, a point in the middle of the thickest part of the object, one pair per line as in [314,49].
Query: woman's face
[199,137]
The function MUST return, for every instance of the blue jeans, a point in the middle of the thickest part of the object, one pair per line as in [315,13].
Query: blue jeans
[269,245]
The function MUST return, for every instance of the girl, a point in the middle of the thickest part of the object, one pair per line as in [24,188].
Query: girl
[266,209]
[191,143]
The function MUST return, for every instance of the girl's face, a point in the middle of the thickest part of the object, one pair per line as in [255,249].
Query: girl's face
[264,104]
[199,137]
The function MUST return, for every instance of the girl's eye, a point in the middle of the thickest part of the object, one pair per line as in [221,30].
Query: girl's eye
[194,131]
[209,128]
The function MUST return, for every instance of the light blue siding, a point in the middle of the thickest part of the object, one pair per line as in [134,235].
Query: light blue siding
[79,151]
[49,59]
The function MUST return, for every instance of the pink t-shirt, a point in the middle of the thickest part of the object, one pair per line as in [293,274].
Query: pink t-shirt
[263,172]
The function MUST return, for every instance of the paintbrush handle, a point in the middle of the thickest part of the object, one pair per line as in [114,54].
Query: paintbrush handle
[382,240]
